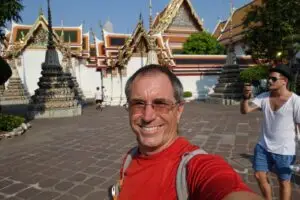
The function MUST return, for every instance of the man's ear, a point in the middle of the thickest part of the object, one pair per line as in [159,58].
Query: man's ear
[180,111]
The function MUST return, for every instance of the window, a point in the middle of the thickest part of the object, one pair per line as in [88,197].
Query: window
[93,51]
[68,35]
[117,41]
[84,43]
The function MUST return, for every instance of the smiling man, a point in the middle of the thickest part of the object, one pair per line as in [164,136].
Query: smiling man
[155,105]
[276,147]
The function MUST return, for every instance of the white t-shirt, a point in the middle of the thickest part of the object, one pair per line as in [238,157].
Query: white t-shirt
[98,95]
[278,127]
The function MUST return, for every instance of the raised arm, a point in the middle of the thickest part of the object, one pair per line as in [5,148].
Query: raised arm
[246,105]
[242,195]
[211,177]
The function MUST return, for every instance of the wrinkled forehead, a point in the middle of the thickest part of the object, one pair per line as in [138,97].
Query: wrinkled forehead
[151,76]
[152,82]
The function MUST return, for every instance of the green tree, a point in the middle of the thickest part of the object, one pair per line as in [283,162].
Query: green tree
[202,43]
[9,10]
[272,28]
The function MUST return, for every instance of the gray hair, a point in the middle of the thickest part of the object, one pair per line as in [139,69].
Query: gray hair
[149,69]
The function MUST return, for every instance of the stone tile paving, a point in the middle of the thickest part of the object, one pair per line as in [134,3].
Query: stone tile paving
[78,158]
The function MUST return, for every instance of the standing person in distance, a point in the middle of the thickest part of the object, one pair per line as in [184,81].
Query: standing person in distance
[99,99]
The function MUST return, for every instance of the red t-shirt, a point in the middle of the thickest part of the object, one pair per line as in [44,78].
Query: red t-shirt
[153,177]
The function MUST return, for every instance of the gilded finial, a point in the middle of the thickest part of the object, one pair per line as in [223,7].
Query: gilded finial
[62,33]
[41,11]
[150,16]
[100,25]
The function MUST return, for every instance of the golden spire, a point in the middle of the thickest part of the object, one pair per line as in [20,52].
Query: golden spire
[150,16]
[231,21]
[62,31]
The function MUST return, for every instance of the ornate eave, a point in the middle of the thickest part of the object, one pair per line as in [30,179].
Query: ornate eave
[132,44]
[18,47]
[236,19]
[219,28]
[166,17]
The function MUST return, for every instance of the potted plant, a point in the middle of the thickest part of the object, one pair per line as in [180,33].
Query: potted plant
[187,96]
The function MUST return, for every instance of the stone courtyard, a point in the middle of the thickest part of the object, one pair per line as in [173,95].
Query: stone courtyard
[78,158]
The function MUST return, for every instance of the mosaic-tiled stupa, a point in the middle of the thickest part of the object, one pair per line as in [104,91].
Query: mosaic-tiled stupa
[55,96]
[228,90]
[15,92]
[2,87]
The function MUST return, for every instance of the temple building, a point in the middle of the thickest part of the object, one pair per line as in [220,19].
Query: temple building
[233,28]
[110,59]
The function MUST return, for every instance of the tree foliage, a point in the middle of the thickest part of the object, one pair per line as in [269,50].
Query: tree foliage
[255,73]
[9,10]
[202,43]
[271,28]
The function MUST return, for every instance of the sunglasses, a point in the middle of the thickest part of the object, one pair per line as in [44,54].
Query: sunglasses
[273,79]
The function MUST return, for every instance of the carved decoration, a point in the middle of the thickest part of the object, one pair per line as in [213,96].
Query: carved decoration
[40,39]
[183,18]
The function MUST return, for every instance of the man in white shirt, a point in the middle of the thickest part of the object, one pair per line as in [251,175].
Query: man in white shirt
[276,146]
[99,99]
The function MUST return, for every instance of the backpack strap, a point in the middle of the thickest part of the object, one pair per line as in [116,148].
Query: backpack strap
[116,188]
[128,159]
[181,183]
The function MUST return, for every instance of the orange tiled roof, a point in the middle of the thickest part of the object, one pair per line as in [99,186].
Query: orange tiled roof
[218,30]
[237,22]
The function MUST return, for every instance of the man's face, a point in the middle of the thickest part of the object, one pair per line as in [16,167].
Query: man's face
[154,125]
[276,81]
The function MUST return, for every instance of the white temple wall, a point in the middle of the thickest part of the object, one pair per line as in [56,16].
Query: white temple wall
[31,66]
[200,86]
[87,78]
[115,87]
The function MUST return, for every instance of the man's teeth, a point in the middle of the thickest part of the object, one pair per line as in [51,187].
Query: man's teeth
[150,128]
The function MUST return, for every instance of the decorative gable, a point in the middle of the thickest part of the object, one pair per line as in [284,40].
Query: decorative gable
[141,46]
[178,14]
[184,19]
[40,39]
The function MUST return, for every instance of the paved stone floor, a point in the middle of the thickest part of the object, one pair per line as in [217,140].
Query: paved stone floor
[78,158]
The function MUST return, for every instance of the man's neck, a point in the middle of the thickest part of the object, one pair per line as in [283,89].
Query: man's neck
[280,92]
[146,151]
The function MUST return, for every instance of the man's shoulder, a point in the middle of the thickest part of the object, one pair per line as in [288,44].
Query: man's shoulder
[296,97]
[263,95]
[201,160]
[259,99]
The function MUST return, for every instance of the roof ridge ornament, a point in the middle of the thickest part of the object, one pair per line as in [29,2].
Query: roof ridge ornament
[41,11]
[231,56]
[152,54]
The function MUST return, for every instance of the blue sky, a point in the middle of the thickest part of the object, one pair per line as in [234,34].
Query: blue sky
[124,14]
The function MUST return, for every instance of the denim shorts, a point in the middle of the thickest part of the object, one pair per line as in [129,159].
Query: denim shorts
[265,161]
